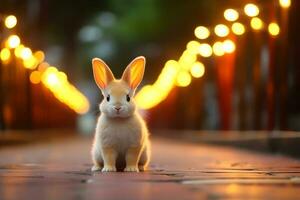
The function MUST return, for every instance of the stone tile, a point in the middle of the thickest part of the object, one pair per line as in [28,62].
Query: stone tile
[61,170]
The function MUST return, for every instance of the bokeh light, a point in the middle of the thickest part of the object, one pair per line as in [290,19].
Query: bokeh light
[285,3]
[183,79]
[228,46]
[52,79]
[201,32]
[274,29]
[231,15]
[205,50]
[10,21]
[35,77]
[65,92]
[56,81]
[251,10]
[148,97]
[218,49]
[180,73]
[221,30]
[256,23]
[30,63]
[18,50]
[25,53]
[238,28]
[39,56]
[197,70]
[187,59]
[13,41]
[5,54]
[43,66]
[193,46]
[171,66]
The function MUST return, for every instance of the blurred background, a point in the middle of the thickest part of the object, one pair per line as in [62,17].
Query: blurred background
[211,65]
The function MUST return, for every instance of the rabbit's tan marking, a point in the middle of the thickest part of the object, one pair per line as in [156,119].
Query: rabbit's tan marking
[121,137]
[109,158]
[132,157]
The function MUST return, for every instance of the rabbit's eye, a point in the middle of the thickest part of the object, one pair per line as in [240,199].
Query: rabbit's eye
[127,97]
[108,97]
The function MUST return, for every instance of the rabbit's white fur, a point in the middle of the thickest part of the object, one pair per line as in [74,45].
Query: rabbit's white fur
[121,137]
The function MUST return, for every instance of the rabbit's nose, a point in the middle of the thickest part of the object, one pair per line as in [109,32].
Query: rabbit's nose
[117,108]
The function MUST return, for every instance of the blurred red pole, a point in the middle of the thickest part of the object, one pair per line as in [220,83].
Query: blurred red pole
[1,99]
[271,78]
[225,76]
[283,68]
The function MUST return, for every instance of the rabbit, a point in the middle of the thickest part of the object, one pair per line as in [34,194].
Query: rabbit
[121,140]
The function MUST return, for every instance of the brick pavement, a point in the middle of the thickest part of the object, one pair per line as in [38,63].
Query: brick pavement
[59,169]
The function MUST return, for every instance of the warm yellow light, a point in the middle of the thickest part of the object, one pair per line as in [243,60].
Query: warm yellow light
[40,56]
[256,23]
[221,30]
[274,29]
[218,49]
[167,76]
[5,54]
[251,10]
[205,50]
[13,41]
[228,46]
[35,77]
[202,32]
[18,50]
[171,65]
[43,66]
[193,46]
[65,92]
[51,69]
[187,59]
[62,76]
[164,83]
[238,28]
[197,70]
[285,3]
[30,63]
[231,15]
[52,79]
[25,53]
[183,79]
[148,97]
[10,21]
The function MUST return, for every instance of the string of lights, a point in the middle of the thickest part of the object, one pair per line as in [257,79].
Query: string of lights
[41,72]
[180,72]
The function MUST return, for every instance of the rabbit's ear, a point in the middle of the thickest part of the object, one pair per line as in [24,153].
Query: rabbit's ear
[102,74]
[134,72]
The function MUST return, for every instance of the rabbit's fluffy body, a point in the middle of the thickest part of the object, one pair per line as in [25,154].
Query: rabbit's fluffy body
[121,136]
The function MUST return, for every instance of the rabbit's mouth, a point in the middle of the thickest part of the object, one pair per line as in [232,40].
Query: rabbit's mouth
[119,113]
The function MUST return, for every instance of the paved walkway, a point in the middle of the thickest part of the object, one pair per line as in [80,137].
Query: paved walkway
[60,170]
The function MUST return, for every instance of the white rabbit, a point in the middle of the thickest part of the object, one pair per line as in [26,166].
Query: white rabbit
[121,138]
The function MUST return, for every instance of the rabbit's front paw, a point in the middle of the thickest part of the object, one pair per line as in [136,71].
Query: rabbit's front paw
[131,169]
[109,169]
[96,168]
